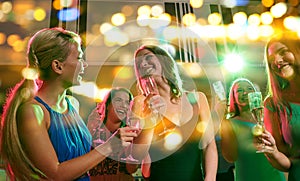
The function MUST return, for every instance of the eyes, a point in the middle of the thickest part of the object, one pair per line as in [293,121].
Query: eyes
[272,58]
[247,89]
[120,101]
[146,58]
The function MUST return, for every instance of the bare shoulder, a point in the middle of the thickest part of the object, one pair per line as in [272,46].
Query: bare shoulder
[31,113]
[199,96]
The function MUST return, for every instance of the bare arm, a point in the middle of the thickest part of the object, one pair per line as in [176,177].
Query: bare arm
[228,141]
[33,131]
[273,139]
[209,144]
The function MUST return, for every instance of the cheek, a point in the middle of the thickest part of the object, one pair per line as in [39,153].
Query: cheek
[290,57]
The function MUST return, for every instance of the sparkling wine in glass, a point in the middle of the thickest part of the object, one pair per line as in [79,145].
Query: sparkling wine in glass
[135,122]
[256,108]
[148,86]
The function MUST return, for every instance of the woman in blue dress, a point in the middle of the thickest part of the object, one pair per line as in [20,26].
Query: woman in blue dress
[282,105]
[237,139]
[42,135]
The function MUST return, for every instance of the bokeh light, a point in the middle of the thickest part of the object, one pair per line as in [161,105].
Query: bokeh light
[233,62]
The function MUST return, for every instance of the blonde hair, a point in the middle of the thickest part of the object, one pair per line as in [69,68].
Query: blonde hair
[45,46]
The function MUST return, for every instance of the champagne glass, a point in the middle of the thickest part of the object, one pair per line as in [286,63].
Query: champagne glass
[256,108]
[219,90]
[135,122]
[100,134]
[148,86]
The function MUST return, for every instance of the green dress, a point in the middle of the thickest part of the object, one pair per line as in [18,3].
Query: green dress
[251,166]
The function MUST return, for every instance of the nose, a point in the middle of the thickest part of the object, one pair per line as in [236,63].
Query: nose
[278,60]
[144,62]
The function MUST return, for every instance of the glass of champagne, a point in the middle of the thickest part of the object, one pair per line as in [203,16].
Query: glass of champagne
[256,108]
[148,86]
[135,122]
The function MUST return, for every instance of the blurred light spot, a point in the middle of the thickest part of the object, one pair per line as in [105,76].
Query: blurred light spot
[192,69]
[196,3]
[172,140]
[254,19]
[56,5]
[70,14]
[165,19]
[189,19]
[156,10]
[105,27]
[2,38]
[39,14]
[143,20]
[6,7]
[214,19]
[66,3]
[278,10]
[267,3]
[240,18]
[124,73]
[266,30]
[266,18]
[127,10]
[253,32]
[30,73]
[11,39]
[229,3]
[233,62]
[234,31]
[18,46]
[118,19]
[201,127]
[144,10]
[291,23]
[242,2]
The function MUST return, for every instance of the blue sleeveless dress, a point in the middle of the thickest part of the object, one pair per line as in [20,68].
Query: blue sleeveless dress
[69,135]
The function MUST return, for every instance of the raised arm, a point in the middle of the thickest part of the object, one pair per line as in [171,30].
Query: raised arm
[274,140]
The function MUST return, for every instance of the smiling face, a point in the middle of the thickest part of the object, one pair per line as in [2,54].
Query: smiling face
[241,90]
[74,66]
[119,106]
[147,63]
[281,60]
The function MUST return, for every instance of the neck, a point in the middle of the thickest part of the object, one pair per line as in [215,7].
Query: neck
[112,125]
[54,96]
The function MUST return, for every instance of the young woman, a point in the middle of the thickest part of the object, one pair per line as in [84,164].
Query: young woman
[177,112]
[237,138]
[282,105]
[42,135]
[107,118]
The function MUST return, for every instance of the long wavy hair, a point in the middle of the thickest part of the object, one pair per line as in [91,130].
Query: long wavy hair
[169,66]
[45,46]
[277,85]
[233,108]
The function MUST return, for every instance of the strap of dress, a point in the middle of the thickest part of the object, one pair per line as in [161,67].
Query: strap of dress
[48,107]
[42,102]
